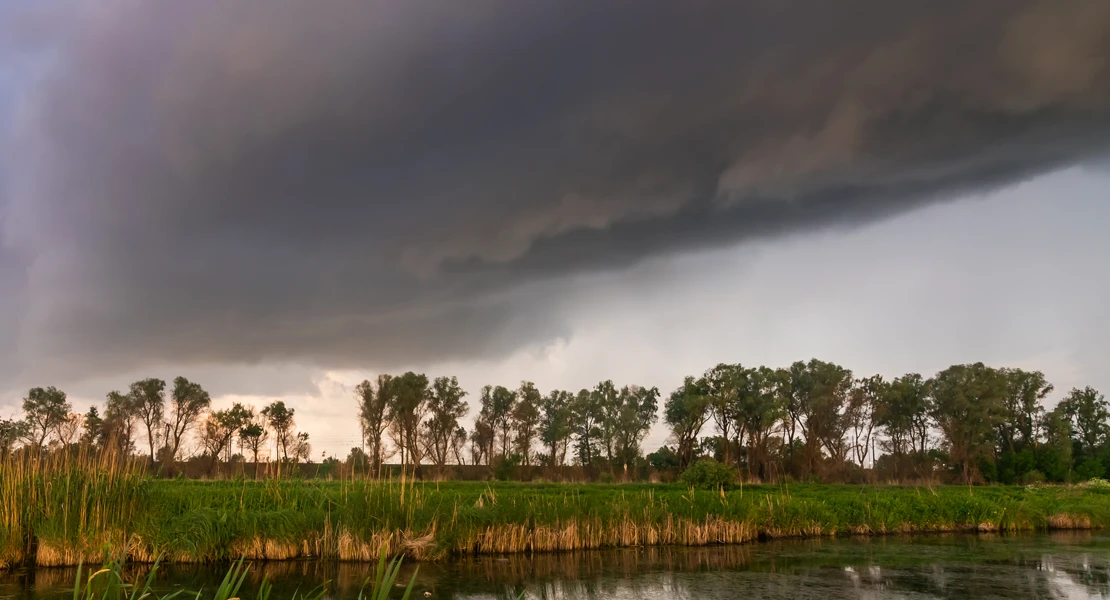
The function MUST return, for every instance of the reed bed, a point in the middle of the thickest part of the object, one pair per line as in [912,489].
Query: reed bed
[86,509]
[67,508]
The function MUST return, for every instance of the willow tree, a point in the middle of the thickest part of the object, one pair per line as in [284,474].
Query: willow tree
[525,420]
[1089,414]
[120,414]
[585,418]
[556,425]
[722,388]
[280,418]
[967,407]
[759,409]
[406,411]
[685,412]
[44,410]
[497,411]
[188,401]
[374,401]
[638,411]
[445,408]
[220,428]
[148,400]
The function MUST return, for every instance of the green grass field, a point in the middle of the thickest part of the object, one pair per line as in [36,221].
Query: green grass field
[66,514]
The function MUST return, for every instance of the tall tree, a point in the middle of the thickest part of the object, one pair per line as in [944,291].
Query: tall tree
[556,427]
[759,408]
[607,402]
[525,420]
[253,436]
[497,411]
[638,410]
[825,418]
[1089,414]
[69,430]
[373,411]
[904,419]
[187,403]
[685,412]
[967,406]
[148,398]
[865,401]
[446,407]
[1055,460]
[406,412]
[119,422]
[11,431]
[92,437]
[585,415]
[1023,407]
[722,386]
[44,410]
[795,387]
[220,428]
[280,418]
[482,440]
[458,442]
[302,449]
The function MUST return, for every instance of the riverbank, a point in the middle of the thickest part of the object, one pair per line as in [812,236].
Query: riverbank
[68,515]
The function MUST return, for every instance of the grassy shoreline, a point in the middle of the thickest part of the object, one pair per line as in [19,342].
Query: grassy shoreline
[62,516]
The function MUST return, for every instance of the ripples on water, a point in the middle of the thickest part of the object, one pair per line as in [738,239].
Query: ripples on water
[1071,565]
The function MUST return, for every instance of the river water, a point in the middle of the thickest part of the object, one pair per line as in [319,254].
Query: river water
[1060,565]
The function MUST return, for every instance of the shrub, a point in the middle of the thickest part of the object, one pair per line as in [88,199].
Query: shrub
[708,474]
[664,458]
[504,467]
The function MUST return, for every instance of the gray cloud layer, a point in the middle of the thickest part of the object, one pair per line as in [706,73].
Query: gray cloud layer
[368,184]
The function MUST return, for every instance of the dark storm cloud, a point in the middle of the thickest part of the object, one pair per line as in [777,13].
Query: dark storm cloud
[355,183]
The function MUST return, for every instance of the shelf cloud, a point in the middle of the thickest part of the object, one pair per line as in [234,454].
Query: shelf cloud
[358,183]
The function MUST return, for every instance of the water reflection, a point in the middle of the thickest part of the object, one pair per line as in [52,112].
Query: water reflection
[1061,565]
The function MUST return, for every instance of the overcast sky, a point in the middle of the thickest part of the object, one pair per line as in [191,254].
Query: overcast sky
[279,199]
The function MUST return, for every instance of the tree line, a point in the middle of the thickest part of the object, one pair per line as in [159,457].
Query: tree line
[815,420]
[811,420]
[146,414]
[420,420]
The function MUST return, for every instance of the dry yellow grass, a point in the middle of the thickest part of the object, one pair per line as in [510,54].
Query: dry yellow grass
[1066,521]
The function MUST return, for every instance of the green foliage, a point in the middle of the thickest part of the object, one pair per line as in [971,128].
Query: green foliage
[664,458]
[280,419]
[708,474]
[685,412]
[556,425]
[446,407]
[505,466]
[382,583]
[44,409]
[187,402]
[373,406]
[80,506]
[525,418]
[148,402]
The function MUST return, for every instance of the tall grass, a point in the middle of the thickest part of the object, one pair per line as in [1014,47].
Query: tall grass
[66,508]
[82,508]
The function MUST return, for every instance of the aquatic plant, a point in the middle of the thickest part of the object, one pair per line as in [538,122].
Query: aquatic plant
[87,509]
